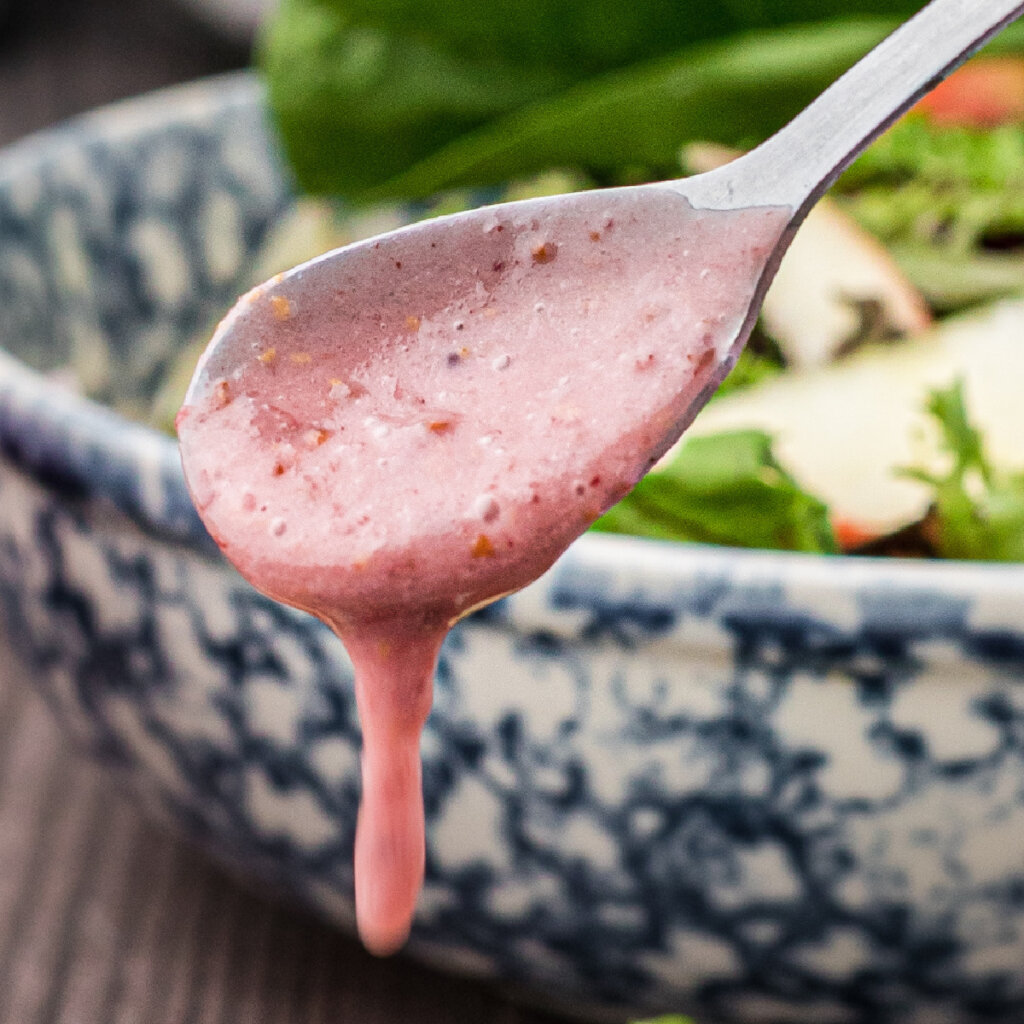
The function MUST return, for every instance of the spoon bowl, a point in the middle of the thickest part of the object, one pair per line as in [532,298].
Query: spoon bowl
[486,386]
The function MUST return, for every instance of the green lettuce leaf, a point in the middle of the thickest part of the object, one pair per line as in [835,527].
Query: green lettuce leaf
[978,510]
[954,187]
[724,489]
[584,35]
[629,124]
[356,105]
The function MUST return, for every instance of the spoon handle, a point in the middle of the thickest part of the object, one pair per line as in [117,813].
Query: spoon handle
[797,165]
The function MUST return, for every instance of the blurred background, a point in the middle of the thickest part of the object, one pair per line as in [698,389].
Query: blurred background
[63,57]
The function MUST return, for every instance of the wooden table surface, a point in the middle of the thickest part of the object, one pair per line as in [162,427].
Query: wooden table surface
[103,918]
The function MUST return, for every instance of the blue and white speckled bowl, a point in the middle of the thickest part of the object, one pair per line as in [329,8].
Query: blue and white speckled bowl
[753,787]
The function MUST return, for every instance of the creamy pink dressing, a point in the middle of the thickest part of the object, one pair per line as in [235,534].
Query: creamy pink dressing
[421,430]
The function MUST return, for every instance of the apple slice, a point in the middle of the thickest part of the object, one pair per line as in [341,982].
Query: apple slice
[836,286]
[845,430]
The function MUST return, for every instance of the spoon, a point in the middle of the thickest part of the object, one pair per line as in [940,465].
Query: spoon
[404,429]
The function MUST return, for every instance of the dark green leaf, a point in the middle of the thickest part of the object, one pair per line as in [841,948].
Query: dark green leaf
[724,489]
[734,92]
[355,104]
[585,35]
[978,511]
[373,94]
[376,114]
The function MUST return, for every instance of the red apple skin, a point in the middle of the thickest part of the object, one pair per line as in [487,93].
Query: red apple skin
[984,93]
[850,536]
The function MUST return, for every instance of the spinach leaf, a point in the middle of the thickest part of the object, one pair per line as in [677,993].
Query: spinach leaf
[355,105]
[584,35]
[398,98]
[724,489]
[733,92]
[383,100]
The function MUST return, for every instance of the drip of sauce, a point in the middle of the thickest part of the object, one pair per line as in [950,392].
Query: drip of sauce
[419,431]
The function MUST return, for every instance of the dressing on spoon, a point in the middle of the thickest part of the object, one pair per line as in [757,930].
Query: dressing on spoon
[403,430]
[389,466]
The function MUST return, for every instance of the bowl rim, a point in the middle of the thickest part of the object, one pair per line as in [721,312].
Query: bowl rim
[45,430]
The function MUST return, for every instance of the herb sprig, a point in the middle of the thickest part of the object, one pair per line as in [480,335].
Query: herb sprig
[978,510]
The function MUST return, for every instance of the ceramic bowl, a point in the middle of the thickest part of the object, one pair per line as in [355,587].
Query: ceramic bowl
[752,787]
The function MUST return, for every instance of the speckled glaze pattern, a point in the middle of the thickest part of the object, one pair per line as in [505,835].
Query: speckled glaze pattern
[747,786]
